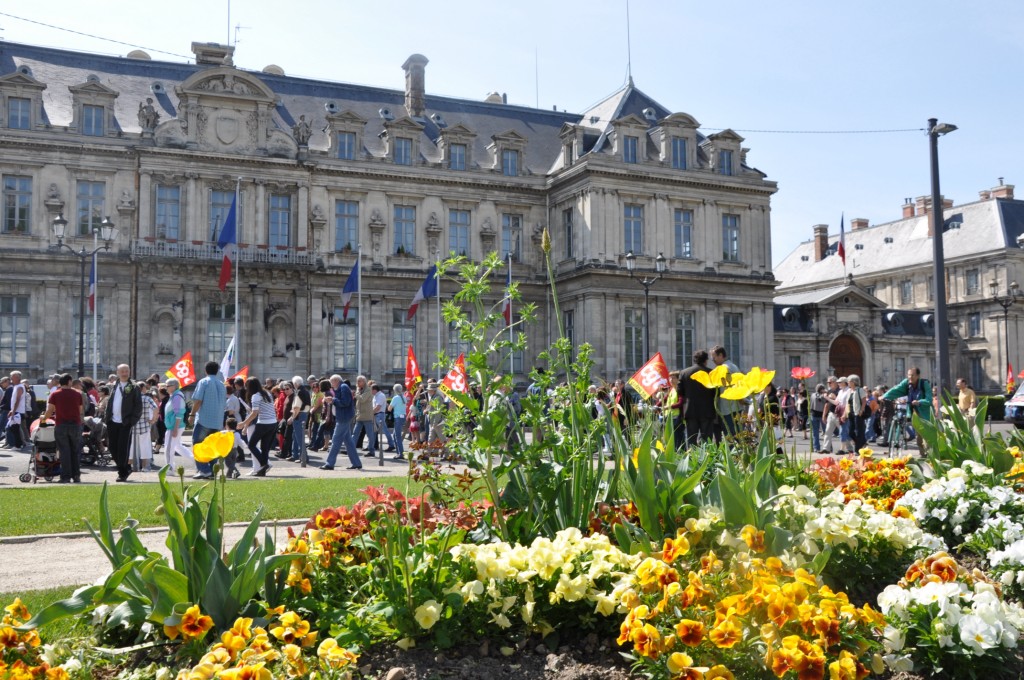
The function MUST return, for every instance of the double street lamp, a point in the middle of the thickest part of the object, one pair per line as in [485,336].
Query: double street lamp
[1005,301]
[936,130]
[646,282]
[108,232]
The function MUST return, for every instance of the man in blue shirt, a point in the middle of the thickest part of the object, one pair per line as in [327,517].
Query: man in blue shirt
[207,412]
[340,399]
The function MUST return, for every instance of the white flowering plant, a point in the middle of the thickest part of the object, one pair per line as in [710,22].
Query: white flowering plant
[946,620]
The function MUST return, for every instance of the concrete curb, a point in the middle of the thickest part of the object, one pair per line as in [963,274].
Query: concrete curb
[72,535]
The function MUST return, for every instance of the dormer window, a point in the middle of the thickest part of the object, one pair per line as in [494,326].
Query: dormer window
[19,113]
[457,157]
[346,133]
[456,146]
[724,165]
[346,145]
[724,152]
[679,153]
[676,140]
[510,162]
[92,120]
[630,146]
[403,151]
[568,154]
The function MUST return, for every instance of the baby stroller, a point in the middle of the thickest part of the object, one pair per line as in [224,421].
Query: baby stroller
[45,459]
[94,452]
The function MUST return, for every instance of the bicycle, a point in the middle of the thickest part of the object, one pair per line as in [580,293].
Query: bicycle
[897,435]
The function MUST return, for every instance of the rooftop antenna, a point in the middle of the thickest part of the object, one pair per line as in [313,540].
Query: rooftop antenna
[239,27]
[536,77]
[629,49]
[229,22]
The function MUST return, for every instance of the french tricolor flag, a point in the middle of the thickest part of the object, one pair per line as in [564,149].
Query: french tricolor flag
[92,286]
[351,287]
[228,242]
[427,290]
[506,309]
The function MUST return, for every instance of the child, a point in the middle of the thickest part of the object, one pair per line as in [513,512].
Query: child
[231,425]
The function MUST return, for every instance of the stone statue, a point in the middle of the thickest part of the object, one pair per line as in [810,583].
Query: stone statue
[53,193]
[148,115]
[318,214]
[302,131]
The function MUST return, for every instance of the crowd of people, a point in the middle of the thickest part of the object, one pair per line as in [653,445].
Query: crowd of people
[138,421]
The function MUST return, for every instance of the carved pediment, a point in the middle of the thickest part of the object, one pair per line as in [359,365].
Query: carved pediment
[509,138]
[725,136]
[93,88]
[458,130]
[21,81]
[347,118]
[680,119]
[403,124]
[226,82]
[632,120]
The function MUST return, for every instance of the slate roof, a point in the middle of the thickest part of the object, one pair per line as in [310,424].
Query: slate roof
[133,79]
[970,230]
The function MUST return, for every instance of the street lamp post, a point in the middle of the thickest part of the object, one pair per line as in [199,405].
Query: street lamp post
[1005,301]
[646,282]
[936,130]
[108,232]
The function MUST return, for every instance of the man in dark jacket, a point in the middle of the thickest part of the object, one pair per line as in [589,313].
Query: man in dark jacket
[699,405]
[123,412]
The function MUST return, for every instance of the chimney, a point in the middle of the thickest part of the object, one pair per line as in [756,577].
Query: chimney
[415,67]
[984,194]
[921,204]
[908,208]
[1003,190]
[820,241]
[213,54]
[858,223]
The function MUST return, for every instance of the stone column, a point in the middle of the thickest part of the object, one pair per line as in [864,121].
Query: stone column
[192,226]
[147,223]
[302,220]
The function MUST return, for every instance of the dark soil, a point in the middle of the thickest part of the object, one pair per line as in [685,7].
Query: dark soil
[484,661]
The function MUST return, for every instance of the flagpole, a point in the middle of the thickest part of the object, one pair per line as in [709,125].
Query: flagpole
[511,353]
[437,273]
[95,305]
[237,272]
[359,314]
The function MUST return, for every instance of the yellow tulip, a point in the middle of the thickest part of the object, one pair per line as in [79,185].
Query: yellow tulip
[718,377]
[745,384]
[217,445]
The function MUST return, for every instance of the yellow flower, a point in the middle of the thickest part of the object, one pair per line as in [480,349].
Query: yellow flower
[745,384]
[292,628]
[726,634]
[255,672]
[719,671]
[193,625]
[843,669]
[718,377]
[753,537]
[678,662]
[17,610]
[334,656]
[427,614]
[866,452]
[690,632]
[242,627]
[217,445]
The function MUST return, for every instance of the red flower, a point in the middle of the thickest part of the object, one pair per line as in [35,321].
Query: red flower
[801,373]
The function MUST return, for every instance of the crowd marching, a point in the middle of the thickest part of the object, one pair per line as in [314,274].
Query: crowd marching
[141,424]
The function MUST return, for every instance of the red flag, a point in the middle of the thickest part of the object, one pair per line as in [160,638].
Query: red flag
[183,369]
[841,248]
[651,377]
[243,374]
[456,380]
[228,243]
[412,371]
[1010,384]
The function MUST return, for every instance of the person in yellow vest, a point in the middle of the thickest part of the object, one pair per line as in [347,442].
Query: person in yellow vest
[673,410]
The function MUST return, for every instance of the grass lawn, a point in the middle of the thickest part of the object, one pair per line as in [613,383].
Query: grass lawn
[37,600]
[56,509]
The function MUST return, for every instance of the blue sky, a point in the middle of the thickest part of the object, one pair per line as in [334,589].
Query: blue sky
[797,65]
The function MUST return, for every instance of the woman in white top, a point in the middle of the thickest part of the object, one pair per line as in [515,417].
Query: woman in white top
[398,408]
[263,413]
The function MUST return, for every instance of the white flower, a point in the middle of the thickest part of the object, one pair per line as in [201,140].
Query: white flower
[978,635]
[893,639]
[427,614]
[72,665]
[899,663]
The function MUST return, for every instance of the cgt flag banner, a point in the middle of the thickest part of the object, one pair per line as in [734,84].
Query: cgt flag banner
[243,374]
[183,370]
[456,380]
[412,371]
[651,377]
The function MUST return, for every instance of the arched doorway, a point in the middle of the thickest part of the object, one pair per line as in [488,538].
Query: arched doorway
[845,356]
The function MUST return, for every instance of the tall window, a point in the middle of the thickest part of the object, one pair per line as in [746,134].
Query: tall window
[974,325]
[976,373]
[405,229]
[794,361]
[900,367]
[346,338]
[679,153]
[14,329]
[517,357]
[347,145]
[457,157]
[686,334]
[634,327]
[906,292]
[567,230]
[630,146]
[403,151]
[92,120]
[458,231]
[511,235]
[731,238]
[973,282]
[510,162]
[17,205]
[456,345]
[280,220]
[725,162]
[220,328]
[168,212]
[633,221]
[19,114]
[89,350]
[346,225]
[90,206]
[930,287]
[220,204]
[569,322]
[682,221]
[403,334]
[733,341]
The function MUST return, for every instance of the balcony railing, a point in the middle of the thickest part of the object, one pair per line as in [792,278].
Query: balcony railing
[188,250]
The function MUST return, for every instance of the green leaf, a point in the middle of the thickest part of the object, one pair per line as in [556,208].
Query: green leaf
[169,588]
[130,614]
[80,601]
[737,507]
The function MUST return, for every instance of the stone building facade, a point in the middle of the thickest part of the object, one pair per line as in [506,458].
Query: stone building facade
[325,169]
[874,316]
